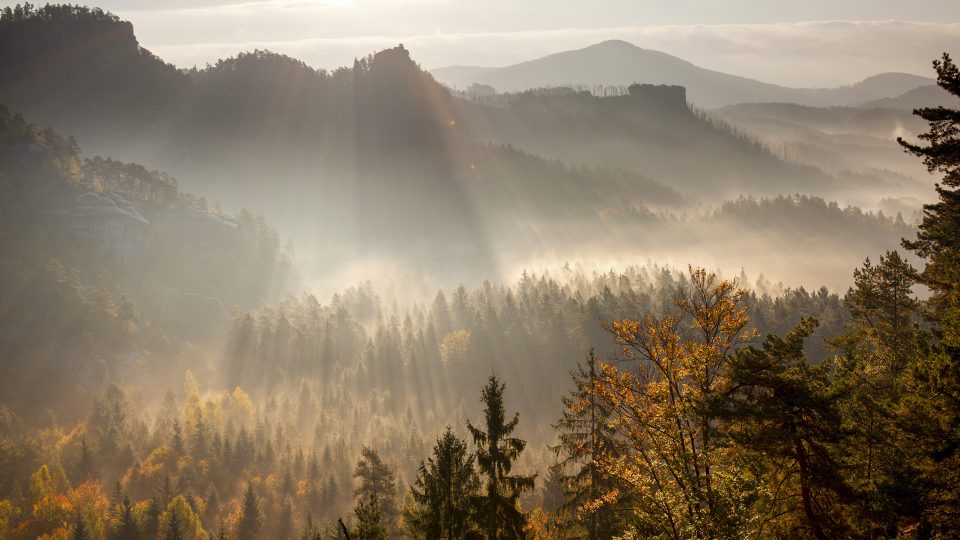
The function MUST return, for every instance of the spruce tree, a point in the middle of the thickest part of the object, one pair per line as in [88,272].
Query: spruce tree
[583,437]
[497,510]
[251,520]
[443,492]
[127,527]
[938,237]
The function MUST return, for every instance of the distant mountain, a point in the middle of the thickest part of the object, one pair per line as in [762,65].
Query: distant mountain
[618,63]
[380,160]
[923,96]
[854,143]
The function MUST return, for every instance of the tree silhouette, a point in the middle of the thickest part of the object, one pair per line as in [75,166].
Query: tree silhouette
[497,509]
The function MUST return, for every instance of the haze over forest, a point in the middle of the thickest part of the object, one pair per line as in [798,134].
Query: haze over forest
[605,292]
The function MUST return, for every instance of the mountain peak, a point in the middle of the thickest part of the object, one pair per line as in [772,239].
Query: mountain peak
[612,44]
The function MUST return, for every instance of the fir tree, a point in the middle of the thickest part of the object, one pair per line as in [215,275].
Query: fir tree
[584,436]
[445,487]
[251,520]
[497,510]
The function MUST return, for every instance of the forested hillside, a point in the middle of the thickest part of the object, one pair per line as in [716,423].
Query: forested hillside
[392,310]
[107,264]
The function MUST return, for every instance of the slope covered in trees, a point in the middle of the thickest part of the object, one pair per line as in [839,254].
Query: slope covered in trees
[106,264]
[378,137]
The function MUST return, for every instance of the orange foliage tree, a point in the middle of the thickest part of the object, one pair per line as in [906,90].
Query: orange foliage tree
[687,481]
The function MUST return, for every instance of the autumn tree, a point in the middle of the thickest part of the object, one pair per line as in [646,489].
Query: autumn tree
[497,509]
[688,483]
[443,492]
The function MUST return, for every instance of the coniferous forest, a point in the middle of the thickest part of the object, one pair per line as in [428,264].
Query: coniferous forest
[263,300]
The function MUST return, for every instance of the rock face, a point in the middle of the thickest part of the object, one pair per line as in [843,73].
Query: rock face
[666,96]
[112,222]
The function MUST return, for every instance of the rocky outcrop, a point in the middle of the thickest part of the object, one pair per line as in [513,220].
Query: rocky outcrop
[110,221]
[660,95]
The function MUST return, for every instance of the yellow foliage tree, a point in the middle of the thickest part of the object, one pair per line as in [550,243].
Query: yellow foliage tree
[687,481]
[179,514]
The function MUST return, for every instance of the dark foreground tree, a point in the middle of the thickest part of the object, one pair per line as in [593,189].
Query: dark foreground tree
[933,413]
[443,492]
[784,412]
[498,511]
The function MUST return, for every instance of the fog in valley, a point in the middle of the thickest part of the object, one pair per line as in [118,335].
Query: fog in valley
[263,298]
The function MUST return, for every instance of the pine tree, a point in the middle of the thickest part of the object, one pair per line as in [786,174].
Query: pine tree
[443,492]
[85,464]
[938,238]
[174,529]
[378,481]
[251,520]
[369,520]
[932,412]
[786,413]
[310,530]
[497,509]
[584,436]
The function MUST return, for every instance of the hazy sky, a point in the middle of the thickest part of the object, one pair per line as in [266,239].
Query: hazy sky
[808,43]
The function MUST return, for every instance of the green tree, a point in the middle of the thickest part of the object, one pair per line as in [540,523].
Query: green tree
[369,520]
[784,412]
[181,522]
[881,342]
[584,435]
[498,511]
[251,519]
[443,492]
[938,237]
[932,412]
[380,482]
[883,311]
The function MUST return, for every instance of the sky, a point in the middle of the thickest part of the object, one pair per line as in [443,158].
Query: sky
[813,43]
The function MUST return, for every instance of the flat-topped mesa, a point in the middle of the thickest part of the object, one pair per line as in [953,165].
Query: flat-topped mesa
[660,95]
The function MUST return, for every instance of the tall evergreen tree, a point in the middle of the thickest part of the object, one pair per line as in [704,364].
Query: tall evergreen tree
[443,492]
[379,481]
[583,437]
[251,520]
[497,510]
[938,237]
[369,520]
[932,416]
[785,413]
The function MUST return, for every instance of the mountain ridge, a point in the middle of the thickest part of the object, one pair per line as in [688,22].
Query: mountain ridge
[620,63]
